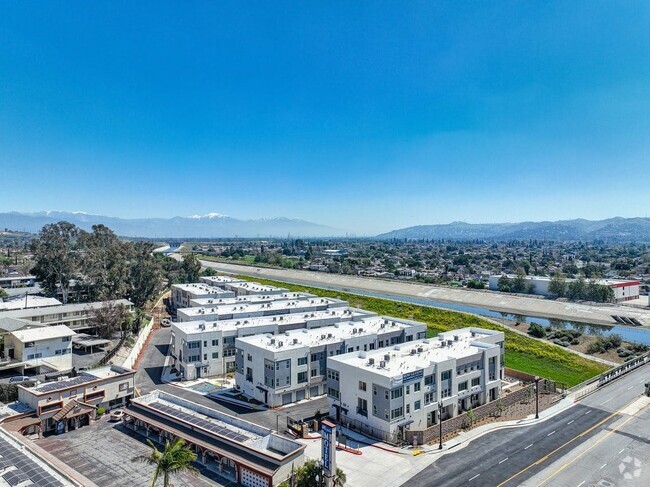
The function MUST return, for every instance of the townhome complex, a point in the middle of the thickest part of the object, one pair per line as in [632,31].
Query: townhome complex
[182,294]
[203,348]
[242,288]
[250,298]
[414,384]
[280,369]
[249,310]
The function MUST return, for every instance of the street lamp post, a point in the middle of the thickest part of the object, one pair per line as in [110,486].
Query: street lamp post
[536,397]
[440,423]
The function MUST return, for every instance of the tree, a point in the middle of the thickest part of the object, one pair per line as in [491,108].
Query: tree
[191,268]
[174,459]
[145,274]
[557,286]
[104,263]
[109,318]
[505,284]
[3,294]
[306,475]
[56,257]
[536,330]
[519,282]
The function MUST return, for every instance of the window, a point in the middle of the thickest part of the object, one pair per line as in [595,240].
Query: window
[476,382]
[314,372]
[205,343]
[94,396]
[215,343]
[58,352]
[374,390]
[192,345]
[229,352]
[302,360]
[397,413]
[332,374]
[124,386]
[396,393]
[314,357]
[374,409]
[194,358]
[417,386]
[332,392]
[249,357]
[462,386]
[408,390]
[205,356]
[362,407]
[428,380]
[409,338]
[65,339]
[445,392]
[249,374]
[417,405]
[362,386]
[73,392]
[429,398]
[350,349]
[408,408]
[215,354]
[386,394]
[372,346]
[446,375]
[277,382]
[302,377]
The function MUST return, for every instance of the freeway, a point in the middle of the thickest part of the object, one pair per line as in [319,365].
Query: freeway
[514,456]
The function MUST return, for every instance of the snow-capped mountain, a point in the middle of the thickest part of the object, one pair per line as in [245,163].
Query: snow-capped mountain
[210,225]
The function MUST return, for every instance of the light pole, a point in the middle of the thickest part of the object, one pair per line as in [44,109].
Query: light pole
[536,397]
[440,423]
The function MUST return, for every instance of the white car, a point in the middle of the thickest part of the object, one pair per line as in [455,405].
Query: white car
[116,415]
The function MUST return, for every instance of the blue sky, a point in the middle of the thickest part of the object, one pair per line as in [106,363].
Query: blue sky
[365,116]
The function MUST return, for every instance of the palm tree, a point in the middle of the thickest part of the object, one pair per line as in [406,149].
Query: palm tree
[340,478]
[175,458]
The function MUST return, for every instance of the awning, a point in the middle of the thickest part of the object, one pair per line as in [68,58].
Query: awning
[21,423]
[406,422]
[72,409]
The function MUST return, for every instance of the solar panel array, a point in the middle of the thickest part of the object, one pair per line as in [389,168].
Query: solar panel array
[202,423]
[26,468]
[55,386]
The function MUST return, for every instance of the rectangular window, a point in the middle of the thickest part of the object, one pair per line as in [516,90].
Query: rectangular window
[429,398]
[362,407]
[408,390]
[332,374]
[476,381]
[124,386]
[65,339]
[416,387]
[215,354]
[249,357]
[462,386]
[277,382]
[205,343]
[445,392]
[215,343]
[302,360]
[446,375]
[332,392]
[205,356]
[302,377]
[194,358]
[314,372]
[95,396]
[362,386]
[397,413]
[396,393]
[374,390]
[428,380]
[417,405]
[408,408]
[193,345]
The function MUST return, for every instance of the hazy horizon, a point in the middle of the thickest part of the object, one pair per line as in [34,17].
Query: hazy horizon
[364,117]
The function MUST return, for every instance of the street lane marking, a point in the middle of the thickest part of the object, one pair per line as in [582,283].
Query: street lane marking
[551,433]
[630,388]
[622,450]
[603,466]
[587,431]
[528,446]
[503,460]
[603,403]
[581,483]
[473,477]
[571,421]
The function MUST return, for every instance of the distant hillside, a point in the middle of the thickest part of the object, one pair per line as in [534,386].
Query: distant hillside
[612,230]
[212,225]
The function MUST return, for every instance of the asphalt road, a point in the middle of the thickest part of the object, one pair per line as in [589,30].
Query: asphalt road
[150,368]
[512,456]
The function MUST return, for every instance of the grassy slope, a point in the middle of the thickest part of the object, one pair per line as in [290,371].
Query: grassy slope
[522,353]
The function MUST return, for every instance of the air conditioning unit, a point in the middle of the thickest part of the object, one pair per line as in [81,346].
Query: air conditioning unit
[420,349]
[387,357]
[382,364]
[371,361]
[413,351]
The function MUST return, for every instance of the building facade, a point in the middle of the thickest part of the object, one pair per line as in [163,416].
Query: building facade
[281,369]
[182,294]
[241,452]
[72,403]
[412,385]
[40,350]
[203,348]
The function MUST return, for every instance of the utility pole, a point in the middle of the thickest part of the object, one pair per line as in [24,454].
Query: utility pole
[440,423]
[536,397]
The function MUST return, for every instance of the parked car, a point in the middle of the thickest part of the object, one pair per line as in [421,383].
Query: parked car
[116,415]
[19,378]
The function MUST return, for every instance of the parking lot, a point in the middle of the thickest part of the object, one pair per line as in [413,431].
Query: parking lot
[103,451]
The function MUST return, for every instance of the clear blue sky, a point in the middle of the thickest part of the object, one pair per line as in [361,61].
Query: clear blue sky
[366,116]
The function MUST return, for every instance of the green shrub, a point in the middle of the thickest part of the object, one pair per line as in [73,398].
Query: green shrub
[101,411]
[536,330]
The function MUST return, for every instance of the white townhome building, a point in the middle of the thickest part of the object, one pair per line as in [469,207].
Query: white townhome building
[382,392]
[203,348]
[291,366]
[182,294]
[250,298]
[40,350]
[250,310]
[241,288]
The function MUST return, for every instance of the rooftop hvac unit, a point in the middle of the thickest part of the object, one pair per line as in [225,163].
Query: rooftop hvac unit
[354,330]
[280,344]
[360,330]
[413,351]
[382,364]
[371,361]
[295,341]
[383,325]
[387,357]
[450,343]
[456,338]
[214,325]
[272,341]
[420,349]
[322,337]
[286,333]
[329,335]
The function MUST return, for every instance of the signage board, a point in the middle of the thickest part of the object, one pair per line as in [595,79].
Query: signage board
[327,441]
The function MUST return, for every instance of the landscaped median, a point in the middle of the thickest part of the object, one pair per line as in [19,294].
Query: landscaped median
[522,353]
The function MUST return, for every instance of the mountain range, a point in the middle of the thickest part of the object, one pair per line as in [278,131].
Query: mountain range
[212,225]
[616,229]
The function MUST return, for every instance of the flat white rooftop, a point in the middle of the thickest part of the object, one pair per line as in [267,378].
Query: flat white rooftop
[327,334]
[199,289]
[256,287]
[342,314]
[62,309]
[43,333]
[83,377]
[249,298]
[219,279]
[29,301]
[418,354]
[267,306]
